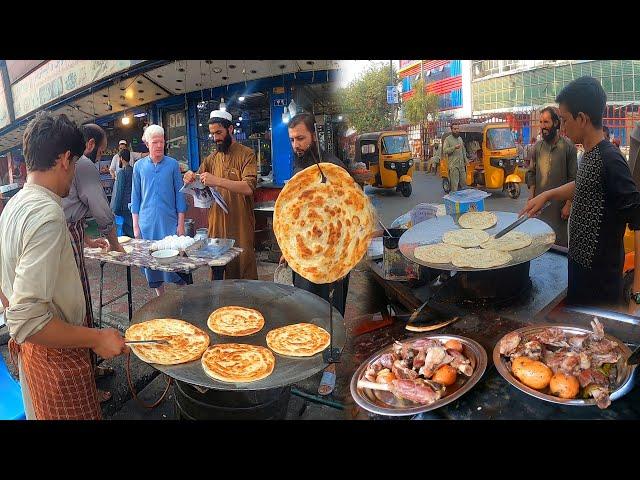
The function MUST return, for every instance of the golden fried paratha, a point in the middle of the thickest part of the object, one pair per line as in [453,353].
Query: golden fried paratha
[235,321]
[478,220]
[186,341]
[323,229]
[238,362]
[298,340]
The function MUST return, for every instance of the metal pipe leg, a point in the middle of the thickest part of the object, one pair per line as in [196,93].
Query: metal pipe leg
[217,273]
[129,293]
[101,285]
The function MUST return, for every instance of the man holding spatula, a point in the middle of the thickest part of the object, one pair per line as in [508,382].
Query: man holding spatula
[605,199]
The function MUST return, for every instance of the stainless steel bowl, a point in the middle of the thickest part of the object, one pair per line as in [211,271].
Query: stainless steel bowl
[386,403]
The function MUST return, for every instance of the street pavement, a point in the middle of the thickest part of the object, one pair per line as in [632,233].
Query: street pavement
[427,188]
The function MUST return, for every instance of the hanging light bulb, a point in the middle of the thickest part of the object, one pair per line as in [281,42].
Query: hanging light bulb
[223,106]
[240,118]
[241,99]
[126,120]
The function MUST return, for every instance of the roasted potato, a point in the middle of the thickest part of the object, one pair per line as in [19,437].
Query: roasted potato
[532,373]
[445,375]
[453,345]
[385,376]
[564,386]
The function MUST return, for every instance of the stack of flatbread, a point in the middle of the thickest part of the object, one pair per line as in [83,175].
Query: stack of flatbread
[459,246]
[323,229]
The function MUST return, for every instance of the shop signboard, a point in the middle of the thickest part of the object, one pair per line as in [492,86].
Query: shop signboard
[57,78]
[392,94]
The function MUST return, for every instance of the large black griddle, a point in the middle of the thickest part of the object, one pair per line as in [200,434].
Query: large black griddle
[280,305]
[431,231]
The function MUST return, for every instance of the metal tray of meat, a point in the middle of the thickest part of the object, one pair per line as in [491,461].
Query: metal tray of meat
[624,381]
[386,403]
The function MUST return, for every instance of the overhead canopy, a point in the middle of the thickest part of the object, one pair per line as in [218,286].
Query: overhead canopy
[180,77]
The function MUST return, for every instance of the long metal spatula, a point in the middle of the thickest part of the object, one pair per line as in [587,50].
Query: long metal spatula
[517,223]
[163,342]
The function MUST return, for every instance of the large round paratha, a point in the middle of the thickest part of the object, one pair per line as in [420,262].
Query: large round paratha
[298,340]
[478,220]
[238,362]
[186,341]
[465,237]
[235,321]
[480,258]
[508,242]
[436,253]
[323,229]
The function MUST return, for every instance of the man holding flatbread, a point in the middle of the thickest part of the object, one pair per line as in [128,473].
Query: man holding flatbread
[232,171]
[305,147]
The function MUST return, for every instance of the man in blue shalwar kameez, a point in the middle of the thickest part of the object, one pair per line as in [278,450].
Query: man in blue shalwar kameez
[157,206]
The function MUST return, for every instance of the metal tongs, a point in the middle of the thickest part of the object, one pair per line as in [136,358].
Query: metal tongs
[162,342]
[518,222]
[324,178]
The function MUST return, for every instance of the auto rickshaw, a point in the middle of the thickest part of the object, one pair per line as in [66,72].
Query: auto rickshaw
[388,158]
[493,165]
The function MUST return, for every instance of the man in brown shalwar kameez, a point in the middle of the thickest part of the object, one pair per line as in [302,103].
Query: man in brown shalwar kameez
[232,172]
[554,163]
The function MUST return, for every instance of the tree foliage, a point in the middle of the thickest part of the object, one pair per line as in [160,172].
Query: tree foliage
[364,100]
[421,104]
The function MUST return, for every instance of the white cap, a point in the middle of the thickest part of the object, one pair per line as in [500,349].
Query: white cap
[220,114]
[122,142]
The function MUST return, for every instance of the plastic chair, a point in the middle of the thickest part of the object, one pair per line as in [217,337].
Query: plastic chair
[11,406]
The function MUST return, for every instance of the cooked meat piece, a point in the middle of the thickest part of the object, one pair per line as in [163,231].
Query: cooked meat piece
[598,329]
[397,348]
[509,343]
[418,361]
[598,360]
[585,361]
[407,353]
[424,343]
[533,350]
[601,396]
[434,358]
[387,360]
[602,346]
[414,390]
[552,336]
[461,363]
[570,363]
[373,369]
[400,370]
[577,341]
[589,376]
[553,360]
